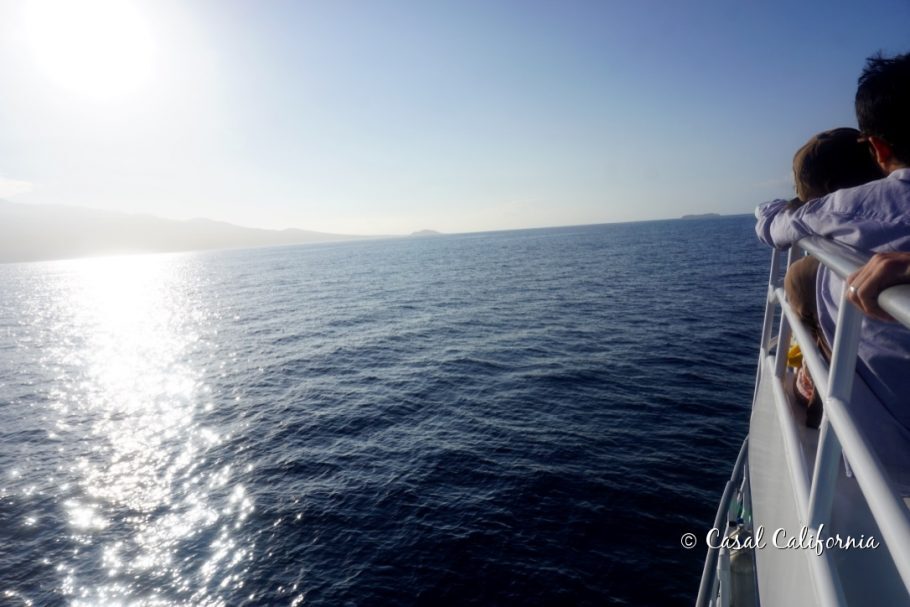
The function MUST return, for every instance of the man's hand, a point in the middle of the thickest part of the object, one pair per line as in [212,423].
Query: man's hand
[883,270]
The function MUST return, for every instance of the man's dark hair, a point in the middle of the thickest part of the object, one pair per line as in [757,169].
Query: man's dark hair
[883,102]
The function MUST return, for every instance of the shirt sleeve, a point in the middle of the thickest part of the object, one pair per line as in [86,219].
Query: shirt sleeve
[780,225]
[774,226]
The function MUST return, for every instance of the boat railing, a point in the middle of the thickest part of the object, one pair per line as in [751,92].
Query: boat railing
[839,434]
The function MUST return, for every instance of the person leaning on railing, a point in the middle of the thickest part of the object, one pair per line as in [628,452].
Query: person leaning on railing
[874,217]
[829,161]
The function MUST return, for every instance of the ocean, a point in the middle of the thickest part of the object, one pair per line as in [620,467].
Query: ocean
[528,417]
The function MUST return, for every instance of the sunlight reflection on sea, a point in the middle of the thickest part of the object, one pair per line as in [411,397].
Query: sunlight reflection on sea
[127,399]
[501,418]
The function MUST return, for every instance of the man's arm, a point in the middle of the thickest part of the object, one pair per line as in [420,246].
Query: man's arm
[775,226]
[883,270]
[781,222]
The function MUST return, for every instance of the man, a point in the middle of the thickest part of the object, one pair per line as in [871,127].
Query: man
[874,217]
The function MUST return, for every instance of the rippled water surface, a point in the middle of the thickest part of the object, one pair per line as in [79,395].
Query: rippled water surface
[530,417]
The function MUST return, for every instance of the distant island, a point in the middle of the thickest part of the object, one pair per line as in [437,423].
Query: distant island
[36,232]
[426,233]
[702,216]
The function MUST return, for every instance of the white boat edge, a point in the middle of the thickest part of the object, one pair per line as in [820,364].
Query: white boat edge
[814,517]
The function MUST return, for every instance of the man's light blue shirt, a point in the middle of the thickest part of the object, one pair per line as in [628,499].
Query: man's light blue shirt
[874,217]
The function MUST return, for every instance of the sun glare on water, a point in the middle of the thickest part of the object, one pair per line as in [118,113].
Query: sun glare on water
[101,49]
[154,516]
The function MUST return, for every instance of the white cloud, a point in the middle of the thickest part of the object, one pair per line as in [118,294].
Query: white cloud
[11,187]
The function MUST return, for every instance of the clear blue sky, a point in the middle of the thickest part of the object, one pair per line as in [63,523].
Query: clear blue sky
[388,117]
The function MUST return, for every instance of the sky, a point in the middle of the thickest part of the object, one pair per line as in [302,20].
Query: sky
[387,117]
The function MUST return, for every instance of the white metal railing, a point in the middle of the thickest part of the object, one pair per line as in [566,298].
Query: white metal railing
[708,587]
[839,434]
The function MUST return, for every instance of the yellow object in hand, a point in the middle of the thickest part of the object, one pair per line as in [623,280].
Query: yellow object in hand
[794,356]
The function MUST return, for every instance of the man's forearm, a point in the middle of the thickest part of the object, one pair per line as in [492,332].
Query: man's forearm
[774,226]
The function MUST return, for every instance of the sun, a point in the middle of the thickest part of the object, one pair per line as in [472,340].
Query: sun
[102,49]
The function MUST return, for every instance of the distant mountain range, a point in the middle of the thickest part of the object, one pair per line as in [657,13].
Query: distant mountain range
[33,232]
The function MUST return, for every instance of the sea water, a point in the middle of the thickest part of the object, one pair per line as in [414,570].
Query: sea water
[527,417]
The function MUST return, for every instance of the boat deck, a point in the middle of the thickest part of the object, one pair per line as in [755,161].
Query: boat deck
[829,508]
[784,575]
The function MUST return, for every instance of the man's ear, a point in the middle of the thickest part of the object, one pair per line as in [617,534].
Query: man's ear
[884,156]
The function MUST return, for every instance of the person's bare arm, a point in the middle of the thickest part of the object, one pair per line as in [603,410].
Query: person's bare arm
[883,270]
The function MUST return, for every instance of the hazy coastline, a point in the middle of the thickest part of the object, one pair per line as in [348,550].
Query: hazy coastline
[31,232]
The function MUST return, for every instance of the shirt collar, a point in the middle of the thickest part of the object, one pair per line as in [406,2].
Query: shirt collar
[902,174]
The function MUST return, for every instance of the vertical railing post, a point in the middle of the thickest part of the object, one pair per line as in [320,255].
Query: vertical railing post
[769,303]
[840,386]
[783,335]
[765,344]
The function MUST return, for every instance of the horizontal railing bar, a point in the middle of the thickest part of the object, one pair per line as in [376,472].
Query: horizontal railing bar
[839,258]
[887,507]
[709,572]
[827,583]
[894,302]
[807,345]
[844,261]
[796,459]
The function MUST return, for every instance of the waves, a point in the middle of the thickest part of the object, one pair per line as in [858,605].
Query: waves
[529,417]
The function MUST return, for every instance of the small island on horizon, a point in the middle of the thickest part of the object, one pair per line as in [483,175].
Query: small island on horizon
[702,216]
[44,232]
